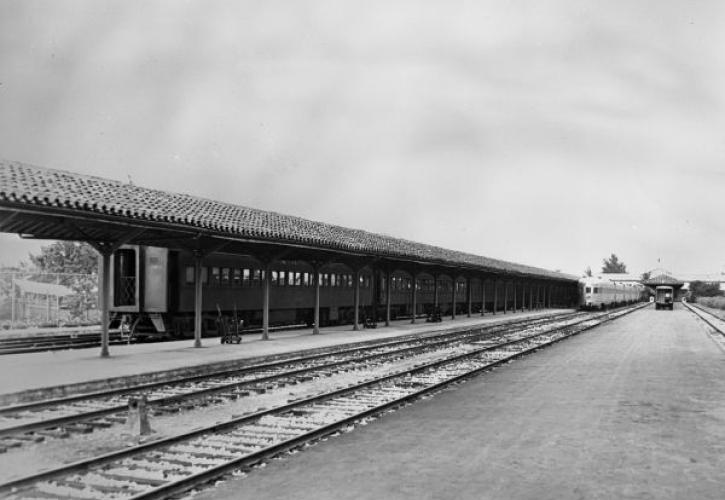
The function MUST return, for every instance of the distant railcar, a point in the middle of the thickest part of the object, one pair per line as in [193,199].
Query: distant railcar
[601,293]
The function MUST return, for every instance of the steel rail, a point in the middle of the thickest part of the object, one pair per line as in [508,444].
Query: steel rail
[301,357]
[200,393]
[701,313]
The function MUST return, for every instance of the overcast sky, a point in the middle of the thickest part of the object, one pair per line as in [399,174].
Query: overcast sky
[547,133]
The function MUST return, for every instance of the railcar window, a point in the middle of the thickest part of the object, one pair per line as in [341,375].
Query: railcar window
[256,277]
[189,275]
[275,278]
[333,281]
[282,278]
[215,277]
[226,272]
[298,279]
[237,279]
[245,277]
[204,275]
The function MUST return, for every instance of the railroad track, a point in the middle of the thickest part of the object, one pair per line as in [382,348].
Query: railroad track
[59,418]
[716,323]
[22,345]
[175,464]
[86,339]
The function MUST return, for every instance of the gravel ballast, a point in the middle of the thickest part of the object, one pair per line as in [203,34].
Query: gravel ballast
[633,409]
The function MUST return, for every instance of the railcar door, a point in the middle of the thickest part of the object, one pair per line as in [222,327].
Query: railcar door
[125,280]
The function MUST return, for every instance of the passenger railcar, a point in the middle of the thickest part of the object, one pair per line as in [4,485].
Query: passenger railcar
[153,290]
[599,292]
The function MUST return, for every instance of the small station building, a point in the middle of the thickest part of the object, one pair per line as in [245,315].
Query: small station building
[665,280]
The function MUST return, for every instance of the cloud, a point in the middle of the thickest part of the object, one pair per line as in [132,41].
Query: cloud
[488,127]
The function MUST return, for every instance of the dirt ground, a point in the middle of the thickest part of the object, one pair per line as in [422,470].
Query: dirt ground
[631,410]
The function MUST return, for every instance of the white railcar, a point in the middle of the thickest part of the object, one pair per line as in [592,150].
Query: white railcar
[600,292]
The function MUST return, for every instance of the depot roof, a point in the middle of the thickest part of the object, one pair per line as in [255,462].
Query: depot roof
[662,280]
[39,288]
[42,191]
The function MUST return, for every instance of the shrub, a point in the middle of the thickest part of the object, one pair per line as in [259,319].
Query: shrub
[714,302]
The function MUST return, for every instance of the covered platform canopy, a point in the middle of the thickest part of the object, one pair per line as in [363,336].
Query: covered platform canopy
[43,203]
[664,280]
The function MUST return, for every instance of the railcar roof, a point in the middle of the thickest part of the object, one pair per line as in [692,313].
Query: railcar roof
[47,190]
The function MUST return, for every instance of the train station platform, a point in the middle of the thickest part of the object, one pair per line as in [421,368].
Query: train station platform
[634,409]
[25,377]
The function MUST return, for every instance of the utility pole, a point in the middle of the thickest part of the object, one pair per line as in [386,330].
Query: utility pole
[57,302]
[12,302]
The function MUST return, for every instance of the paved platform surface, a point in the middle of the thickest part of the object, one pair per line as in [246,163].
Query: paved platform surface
[34,371]
[632,410]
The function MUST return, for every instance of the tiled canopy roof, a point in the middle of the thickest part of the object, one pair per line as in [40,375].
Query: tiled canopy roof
[55,189]
[663,279]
